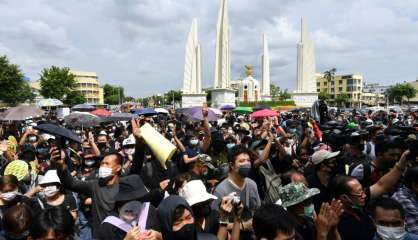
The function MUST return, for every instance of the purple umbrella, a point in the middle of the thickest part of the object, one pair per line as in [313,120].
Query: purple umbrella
[227,108]
[196,114]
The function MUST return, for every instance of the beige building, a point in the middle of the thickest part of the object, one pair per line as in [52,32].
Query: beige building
[350,84]
[372,99]
[88,85]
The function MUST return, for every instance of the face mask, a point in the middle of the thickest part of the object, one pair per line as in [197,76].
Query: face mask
[355,205]
[230,145]
[89,163]
[308,211]
[391,233]
[50,191]
[260,152]
[101,145]
[9,196]
[290,141]
[194,142]
[186,232]
[130,151]
[292,130]
[202,211]
[244,170]
[32,139]
[105,172]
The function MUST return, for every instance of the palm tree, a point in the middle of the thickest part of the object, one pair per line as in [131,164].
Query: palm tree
[330,76]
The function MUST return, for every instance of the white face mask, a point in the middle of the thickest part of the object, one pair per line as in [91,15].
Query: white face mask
[130,151]
[105,172]
[50,191]
[260,152]
[391,233]
[9,196]
[194,142]
[90,163]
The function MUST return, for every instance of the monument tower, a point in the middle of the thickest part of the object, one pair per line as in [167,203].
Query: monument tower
[192,82]
[222,93]
[305,94]
[265,71]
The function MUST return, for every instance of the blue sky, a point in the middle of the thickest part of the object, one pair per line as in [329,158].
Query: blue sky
[140,44]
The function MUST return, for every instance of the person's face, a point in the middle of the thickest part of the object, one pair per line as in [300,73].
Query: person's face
[357,195]
[242,159]
[283,236]
[185,219]
[390,157]
[388,217]
[53,235]
[102,139]
[110,161]
[304,155]
[329,165]
[8,188]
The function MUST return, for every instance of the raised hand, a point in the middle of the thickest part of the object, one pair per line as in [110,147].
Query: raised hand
[205,110]
[136,130]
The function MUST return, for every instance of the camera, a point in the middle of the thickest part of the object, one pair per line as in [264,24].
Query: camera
[236,200]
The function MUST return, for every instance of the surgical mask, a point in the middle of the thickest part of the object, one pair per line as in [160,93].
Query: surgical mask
[292,130]
[50,191]
[390,233]
[105,172]
[101,144]
[89,163]
[186,232]
[244,170]
[130,151]
[9,196]
[194,142]
[32,139]
[230,145]
[308,211]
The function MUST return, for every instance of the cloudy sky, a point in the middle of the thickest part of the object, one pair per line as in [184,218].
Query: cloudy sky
[139,44]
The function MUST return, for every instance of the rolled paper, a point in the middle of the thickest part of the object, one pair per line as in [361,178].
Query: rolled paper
[162,148]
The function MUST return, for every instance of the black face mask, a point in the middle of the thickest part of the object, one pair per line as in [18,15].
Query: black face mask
[202,211]
[186,232]
[101,145]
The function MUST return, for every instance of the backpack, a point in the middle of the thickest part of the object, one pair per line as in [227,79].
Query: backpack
[273,182]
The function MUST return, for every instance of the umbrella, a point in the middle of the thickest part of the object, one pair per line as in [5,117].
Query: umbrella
[216,111]
[57,130]
[243,109]
[49,102]
[227,107]
[145,112]
[196,114]
[264,113]
[101,112]
[21,113]
[161,110]
[116,117]
[260,107]
[82,119]
[83,107]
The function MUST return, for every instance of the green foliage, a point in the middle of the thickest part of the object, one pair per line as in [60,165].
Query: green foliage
[342,99]
[57,83]
[324,96]
[400,91]
[284,95]
[14,89]
[268,103]
[274,91]
[330,74]
[74,98]
[113,95]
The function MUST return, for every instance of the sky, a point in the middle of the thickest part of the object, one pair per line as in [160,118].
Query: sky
[140,44]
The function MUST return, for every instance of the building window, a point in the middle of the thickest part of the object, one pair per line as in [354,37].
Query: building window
[340,89]
[318,90]
[350,81]
[318,84]
[340,82]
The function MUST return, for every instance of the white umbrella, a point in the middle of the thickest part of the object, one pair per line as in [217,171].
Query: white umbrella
[161,110]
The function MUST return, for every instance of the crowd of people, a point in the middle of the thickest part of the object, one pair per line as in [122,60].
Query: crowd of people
[307,174]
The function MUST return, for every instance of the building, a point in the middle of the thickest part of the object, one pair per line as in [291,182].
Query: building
[88,85]
[249,88]
[350,84]
[372,99]
[375,88]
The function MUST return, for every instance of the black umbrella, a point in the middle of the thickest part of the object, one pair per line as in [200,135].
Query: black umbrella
[58,131]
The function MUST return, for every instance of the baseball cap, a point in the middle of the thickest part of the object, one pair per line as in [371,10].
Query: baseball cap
[321,155]
[195,192]
[128,141]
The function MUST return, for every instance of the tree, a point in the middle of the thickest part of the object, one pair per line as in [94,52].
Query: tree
[329,76]
[113,95]
[74,98]
[172,94]
[274,91]
[14,89]
[57,83]
[400,91]
[408,91]
[323,96]
[341,99]
[284,95]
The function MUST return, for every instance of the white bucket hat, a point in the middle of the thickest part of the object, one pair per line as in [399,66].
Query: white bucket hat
[195,192]
[321,155]
[50,177]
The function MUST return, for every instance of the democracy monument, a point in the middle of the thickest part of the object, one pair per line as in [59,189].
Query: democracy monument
[228,92]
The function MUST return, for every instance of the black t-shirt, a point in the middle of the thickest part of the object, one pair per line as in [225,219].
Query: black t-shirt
[325,194]
[69,203]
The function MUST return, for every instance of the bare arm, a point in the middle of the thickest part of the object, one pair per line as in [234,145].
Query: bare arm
[180,145]
[208,138]
[389,180]
[263,158]
[94,147]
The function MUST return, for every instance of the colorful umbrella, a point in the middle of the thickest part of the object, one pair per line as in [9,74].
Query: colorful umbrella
[82,119]
[83,108]
[264,113]
[49,102]
[227,108]
[21,113]
[243,110]
[217,112]
[196,114]
[101,112]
